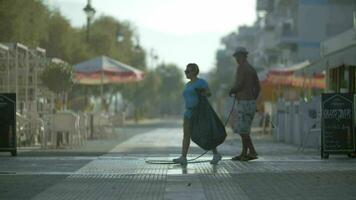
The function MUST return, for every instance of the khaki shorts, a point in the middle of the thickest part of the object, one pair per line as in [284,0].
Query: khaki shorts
[245,112]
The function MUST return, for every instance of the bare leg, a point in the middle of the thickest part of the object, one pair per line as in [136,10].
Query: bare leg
[186,138]
[244,145]
[250,146]
[244,148]
[216,157]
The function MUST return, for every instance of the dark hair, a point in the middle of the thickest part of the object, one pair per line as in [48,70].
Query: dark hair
[194,67]
[240,53]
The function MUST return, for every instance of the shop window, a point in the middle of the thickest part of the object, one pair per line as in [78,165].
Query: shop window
[344,79]
[333,87]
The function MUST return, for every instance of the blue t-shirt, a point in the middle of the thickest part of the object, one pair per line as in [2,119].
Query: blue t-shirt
[191,96]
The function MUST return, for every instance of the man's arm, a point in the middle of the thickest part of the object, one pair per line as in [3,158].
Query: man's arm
[238,84]
[258,95]
[258,87]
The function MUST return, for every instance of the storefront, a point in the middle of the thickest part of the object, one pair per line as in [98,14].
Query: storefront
[338,120]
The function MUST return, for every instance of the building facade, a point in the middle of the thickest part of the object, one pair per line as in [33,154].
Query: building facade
[291,31]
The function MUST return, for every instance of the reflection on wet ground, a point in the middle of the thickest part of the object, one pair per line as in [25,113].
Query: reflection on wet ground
[179,169]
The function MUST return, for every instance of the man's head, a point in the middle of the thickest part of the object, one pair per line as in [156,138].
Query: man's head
[240,54]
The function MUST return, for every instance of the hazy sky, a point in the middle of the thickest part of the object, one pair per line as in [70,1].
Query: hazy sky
[180,31]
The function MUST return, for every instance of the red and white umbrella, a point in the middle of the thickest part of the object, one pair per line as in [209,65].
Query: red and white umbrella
[104,70]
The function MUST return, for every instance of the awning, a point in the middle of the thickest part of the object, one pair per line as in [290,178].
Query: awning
[345,56]
[287,77]
[316,81]
[283,76]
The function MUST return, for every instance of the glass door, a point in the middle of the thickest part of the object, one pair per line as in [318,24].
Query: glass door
[333,85]
[344,79]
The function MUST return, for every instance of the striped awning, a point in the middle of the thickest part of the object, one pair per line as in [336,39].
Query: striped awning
[288,77]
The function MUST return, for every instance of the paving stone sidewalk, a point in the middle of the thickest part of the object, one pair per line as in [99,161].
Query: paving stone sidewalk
[281,172]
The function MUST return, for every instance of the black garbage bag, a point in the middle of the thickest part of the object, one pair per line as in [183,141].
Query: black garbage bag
[207,130]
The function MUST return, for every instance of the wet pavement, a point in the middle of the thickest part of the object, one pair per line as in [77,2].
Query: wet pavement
[116,169]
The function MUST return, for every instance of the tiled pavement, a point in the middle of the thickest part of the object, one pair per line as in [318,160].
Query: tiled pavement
[131,178]
[123,173]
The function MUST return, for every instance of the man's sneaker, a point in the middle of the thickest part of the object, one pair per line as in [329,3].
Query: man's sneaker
[216,158]
[181,160]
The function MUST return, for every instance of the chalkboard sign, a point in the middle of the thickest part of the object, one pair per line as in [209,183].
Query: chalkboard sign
[8,122]
[354,113]
[337,123]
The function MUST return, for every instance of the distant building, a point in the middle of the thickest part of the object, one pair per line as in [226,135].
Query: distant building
[245,36]
[290,31]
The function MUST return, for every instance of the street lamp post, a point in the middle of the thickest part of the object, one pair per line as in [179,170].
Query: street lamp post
[89,11]
[154,58]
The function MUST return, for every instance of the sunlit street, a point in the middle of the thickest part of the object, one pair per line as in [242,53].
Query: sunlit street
[177,99]
[116,169]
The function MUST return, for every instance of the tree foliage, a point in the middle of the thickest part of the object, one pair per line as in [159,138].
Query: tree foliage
[159,94]
[143,95]
[63,41]
[32,23]
[170,94]
[222,78]
[57,77]
[104,40]
[23,21]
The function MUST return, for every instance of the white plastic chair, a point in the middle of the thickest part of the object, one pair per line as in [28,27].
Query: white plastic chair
[65,122]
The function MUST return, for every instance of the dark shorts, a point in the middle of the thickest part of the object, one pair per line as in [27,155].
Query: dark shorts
[245,112]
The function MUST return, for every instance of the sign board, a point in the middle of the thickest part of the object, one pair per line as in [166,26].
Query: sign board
[354,116]
[8,122]
[337,123]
